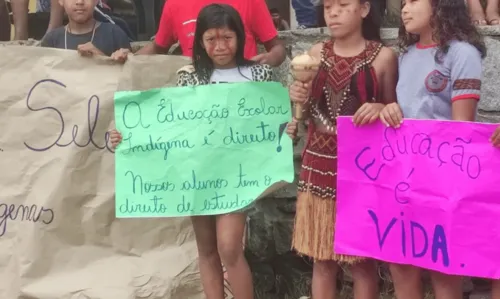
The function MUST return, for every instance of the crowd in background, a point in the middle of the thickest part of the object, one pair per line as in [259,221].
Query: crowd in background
[306,14]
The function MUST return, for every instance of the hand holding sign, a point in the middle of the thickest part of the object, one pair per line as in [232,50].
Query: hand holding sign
[425,194]
[495,138]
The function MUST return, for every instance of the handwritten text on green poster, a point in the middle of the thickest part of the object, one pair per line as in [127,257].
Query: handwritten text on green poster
[203,150]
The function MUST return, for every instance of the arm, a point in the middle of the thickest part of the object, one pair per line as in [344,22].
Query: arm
[165,37]
[386,68]
[20,13]
[264,30]
[152,48]
[285,25]
[56,15]
[465,75]
[495,138]
[276,52]
[389,75]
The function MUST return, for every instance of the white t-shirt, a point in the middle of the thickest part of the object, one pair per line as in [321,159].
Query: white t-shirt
[241,74]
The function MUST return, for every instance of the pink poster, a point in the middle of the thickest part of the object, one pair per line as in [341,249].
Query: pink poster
[426,194]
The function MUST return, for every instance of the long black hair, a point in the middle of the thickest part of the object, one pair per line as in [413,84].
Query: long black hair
[363,83]
[450,21]
[372,22]
[214,16]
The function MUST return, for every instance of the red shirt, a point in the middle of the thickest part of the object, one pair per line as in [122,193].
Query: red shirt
[178,23]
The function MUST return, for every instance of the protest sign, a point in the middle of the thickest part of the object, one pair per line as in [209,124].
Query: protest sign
[426,194]
[58,234]
[203,150]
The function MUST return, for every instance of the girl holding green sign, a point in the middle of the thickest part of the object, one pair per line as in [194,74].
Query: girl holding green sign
[218,57]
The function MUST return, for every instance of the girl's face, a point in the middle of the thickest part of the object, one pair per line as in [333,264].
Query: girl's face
[221,45]
[416,16]
[345,16]
[79,11]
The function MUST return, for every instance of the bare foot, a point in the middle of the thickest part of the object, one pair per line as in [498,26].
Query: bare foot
[478,18]
[477,13]
[493,17]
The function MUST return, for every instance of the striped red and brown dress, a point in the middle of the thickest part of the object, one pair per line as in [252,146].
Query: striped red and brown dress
[340,88]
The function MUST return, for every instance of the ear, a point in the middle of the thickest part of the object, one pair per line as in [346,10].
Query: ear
[61,2]
[365,9]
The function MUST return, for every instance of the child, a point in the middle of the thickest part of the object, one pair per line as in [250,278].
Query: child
[176,25]
[482,17]
[439,78]
[218,57]
[357,76]
[84,33]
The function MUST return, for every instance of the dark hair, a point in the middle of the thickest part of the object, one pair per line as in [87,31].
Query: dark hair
[217,16]
[274,11]
[450,21]
[363,83]
[372,22]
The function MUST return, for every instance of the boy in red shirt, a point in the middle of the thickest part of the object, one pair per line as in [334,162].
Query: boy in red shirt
[178,22]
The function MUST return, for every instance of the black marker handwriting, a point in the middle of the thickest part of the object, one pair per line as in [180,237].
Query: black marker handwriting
[92,119]
[22,212]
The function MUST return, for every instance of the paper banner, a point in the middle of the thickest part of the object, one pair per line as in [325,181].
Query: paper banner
[427,194]
[59,237]
[200,151]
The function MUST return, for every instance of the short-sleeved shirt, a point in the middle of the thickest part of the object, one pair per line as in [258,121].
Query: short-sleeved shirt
[178,23]
[108,38]
[426,88]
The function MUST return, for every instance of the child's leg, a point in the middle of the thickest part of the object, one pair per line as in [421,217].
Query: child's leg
[492,15]
[324,280]
[230,229]
[407,281]
[495,290]
[476,12]
[209,260]
[446,286]
[365,278]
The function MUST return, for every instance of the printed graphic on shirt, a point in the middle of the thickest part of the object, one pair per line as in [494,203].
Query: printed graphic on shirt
[436,81]
[188,28]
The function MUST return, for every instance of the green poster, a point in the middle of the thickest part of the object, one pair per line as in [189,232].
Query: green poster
[203,150]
